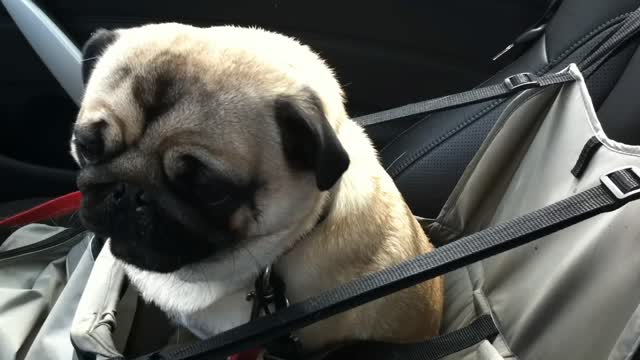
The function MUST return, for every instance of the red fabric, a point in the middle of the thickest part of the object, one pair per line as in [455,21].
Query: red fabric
[247,355]
[61,206]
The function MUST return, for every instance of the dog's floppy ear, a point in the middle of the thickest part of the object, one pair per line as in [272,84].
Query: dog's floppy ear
[308,139]
[93,48]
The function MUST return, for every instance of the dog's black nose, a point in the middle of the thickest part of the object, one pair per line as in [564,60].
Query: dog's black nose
[137,196]
[89,140]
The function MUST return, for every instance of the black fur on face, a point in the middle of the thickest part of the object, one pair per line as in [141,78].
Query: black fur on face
[160,226]
[227,146]
[155,221]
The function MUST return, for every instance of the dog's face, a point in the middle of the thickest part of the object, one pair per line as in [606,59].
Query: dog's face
[196,142]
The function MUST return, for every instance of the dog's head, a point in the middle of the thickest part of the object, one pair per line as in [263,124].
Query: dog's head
[194,142]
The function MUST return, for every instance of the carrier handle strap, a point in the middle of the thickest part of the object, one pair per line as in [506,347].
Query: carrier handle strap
[626,30]
[616,189]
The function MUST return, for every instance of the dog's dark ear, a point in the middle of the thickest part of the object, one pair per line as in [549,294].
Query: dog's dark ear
[93,48]
[308,139]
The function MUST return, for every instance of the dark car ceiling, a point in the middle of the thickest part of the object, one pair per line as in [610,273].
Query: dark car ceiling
[385,54]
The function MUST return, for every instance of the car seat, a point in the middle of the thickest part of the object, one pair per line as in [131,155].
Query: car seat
[426,155]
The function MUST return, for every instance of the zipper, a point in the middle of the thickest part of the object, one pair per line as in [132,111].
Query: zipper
[49,242]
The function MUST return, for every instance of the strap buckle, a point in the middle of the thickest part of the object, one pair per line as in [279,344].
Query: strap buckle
[614,188]
[521,81]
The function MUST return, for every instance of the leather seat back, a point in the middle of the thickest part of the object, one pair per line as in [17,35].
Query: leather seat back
[426,155]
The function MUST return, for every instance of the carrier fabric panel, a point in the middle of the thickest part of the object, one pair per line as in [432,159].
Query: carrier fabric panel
[30,285]
[52,339]
[572,294]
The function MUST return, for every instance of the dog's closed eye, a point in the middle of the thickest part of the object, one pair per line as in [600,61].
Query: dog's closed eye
[199,182]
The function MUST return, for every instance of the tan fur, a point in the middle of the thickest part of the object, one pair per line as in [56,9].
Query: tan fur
[369,226]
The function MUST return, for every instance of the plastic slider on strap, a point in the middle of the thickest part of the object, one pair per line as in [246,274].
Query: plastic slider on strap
[623,182]
[521,81]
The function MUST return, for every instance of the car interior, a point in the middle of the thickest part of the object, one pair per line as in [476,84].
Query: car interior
[385,55]
[396,54]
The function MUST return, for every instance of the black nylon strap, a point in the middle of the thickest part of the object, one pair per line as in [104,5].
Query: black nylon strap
[625,31]
[437,348]
[509,86]
[462,252]
[590,147]
[629,28]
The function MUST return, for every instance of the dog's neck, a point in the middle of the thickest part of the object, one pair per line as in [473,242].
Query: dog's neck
[348,242]
[346,212]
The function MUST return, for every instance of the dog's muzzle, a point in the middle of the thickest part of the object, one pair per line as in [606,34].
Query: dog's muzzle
[149,228]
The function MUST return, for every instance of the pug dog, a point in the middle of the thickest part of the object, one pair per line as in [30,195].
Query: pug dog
[208,154]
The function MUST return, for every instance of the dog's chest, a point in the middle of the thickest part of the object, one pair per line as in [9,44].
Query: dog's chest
[228,312]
